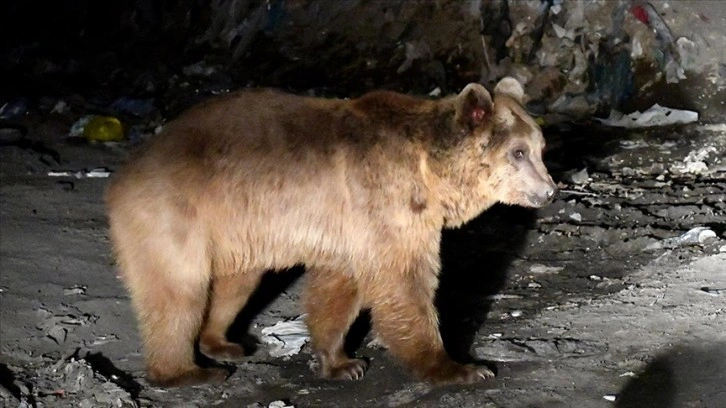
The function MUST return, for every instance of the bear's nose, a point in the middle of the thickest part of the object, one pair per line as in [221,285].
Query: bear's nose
[550,192]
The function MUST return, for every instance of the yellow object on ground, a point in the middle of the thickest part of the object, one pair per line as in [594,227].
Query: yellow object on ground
[104,129]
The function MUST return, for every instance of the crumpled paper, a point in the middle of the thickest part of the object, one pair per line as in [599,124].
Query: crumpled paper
[287,338]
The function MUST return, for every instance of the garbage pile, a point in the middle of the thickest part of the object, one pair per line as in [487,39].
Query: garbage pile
[577,58]
[71,382]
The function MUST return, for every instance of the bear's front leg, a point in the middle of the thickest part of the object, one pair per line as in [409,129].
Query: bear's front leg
[332,303]
[405,319]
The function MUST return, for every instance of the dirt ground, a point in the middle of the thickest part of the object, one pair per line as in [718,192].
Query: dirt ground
[585,303]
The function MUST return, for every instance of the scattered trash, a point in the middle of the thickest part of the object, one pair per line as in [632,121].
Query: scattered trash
[414,50]
[713,291]
[515,313]
[56,327]
[99,172]
[576,216]
[633,144]
[695,236]
[77,127]
[287,337]
[71,382]
[628,374]
[200,69]
[13,108]
[136,107]
[655,116]
[543,269]
[98,128]
[695,161]
[76,290]
[578,177]
[100,340]
[103,129]
[534,285]
[60,107]
[595,278]
[610,397]
[502,296]
[534,349]
[279,404]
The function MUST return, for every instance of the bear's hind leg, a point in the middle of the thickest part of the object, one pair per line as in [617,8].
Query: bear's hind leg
[170,296]
[229,295]
[332,303]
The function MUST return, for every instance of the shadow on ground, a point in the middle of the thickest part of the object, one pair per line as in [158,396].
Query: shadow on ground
[685,376]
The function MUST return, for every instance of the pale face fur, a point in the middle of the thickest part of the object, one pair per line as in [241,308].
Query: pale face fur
[500,162]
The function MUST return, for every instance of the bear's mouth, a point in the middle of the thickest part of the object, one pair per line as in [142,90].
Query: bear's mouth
[535,200]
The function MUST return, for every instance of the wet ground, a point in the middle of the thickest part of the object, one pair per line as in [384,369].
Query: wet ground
[586,303]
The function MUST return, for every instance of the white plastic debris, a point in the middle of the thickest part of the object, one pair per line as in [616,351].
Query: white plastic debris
[287,337]
[579,177]
[99,172]
[544,270]
[655,116]
[502,296]
[515,313]
[414,50]
[694,236]
[576,216]
[610,397]
[79,125]
[695,161]
[279,404]
[60,107]
[75,290]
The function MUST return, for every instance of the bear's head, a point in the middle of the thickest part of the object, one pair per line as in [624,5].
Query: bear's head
[497,156]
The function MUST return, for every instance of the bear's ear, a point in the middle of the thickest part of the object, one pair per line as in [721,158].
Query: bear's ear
[510,87]
[474,105]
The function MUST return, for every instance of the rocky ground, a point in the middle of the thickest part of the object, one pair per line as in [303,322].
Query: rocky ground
[604,298]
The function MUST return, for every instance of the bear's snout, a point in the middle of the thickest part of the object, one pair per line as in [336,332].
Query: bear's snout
[543,196]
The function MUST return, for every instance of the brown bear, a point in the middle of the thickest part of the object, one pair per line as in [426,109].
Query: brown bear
[356,190]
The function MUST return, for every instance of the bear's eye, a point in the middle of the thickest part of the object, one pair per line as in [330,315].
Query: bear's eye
[518,154]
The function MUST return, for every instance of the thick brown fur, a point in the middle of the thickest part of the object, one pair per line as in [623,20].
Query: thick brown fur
[356,190]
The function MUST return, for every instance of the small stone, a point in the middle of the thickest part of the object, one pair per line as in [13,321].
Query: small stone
[515,313]
[576,216]
[595,278]
[534,285]
[610,397]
